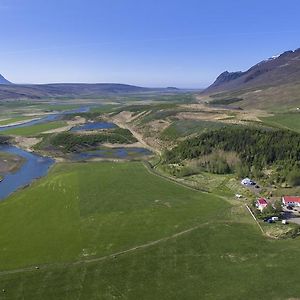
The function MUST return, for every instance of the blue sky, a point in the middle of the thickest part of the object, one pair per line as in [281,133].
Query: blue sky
[144,42]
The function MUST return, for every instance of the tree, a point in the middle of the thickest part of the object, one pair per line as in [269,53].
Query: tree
[277,206]
[268,210]
[293,178]
[242,170]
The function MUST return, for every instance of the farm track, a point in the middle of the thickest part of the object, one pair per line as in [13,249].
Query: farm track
[137,135]
[182,184]
[103,258]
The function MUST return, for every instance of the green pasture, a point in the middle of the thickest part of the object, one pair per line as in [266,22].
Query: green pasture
[14,120]
[34,129]
[289,121]
[82,212]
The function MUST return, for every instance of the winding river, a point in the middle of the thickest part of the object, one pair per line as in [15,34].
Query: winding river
[36,166]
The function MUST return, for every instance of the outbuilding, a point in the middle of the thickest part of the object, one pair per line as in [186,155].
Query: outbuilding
[261,204]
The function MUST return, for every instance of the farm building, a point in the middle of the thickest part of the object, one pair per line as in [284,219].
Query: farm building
[261,204]
[291,201]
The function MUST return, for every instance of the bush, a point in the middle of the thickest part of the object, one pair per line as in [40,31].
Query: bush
[4,139]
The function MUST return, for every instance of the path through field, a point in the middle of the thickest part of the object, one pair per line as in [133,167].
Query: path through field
[113,255]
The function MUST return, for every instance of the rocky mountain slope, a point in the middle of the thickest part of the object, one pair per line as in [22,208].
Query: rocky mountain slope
[270,83]
[3,80]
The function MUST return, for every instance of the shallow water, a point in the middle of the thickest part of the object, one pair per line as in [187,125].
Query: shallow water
[120,153]
[94,126]
[34,167]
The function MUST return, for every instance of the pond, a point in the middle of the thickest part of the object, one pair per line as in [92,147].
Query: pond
[34,167]
[94,126]
[117,153]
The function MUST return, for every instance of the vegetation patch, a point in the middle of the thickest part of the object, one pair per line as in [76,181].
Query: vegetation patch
[70,142]
[10,162]
[183,128]
[256,148]
[226,101]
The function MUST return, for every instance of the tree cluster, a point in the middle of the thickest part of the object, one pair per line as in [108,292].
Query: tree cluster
[256,148]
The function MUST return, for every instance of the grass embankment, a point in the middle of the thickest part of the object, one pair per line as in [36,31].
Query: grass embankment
[87,211]
[34,129]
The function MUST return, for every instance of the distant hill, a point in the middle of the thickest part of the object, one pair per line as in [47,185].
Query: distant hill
[70,90]
[3,80]
[275,81]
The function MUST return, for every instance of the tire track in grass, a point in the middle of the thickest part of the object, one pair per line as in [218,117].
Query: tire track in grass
[102,258]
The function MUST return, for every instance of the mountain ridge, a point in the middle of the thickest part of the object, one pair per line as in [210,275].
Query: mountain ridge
[272,84]
[71,90]
[278,69]
[3,80]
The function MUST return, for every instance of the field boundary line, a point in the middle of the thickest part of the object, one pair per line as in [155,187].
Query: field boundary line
[153,172]
[102,258]
[251,213]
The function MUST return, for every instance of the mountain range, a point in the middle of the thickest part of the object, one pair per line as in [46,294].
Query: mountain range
[10,91]
[270,83]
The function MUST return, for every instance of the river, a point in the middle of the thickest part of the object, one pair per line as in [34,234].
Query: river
[35,166]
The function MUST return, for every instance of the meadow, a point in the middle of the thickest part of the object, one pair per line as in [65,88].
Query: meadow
[12,120]
[34,129]
[75,223]
[289,121]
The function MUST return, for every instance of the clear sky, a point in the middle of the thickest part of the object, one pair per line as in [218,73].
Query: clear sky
[183,43]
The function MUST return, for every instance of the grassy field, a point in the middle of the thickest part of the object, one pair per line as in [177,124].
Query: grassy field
[68,222]
[14,120]
[34,129]
[288,121]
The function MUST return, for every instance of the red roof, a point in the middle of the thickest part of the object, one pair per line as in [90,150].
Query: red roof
[291,199]
[262,201]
